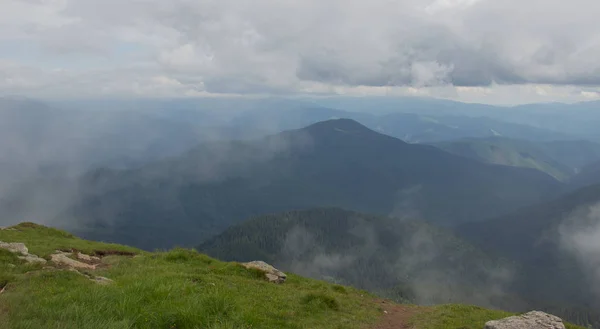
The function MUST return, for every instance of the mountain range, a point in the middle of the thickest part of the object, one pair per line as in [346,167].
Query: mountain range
[387,204]
[562,160]
[555,241]
[341,163]
[408,260]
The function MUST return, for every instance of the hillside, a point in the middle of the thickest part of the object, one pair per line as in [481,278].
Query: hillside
[340,163]
[555,241]
[589,175]
[430,128]
[559,159]
[182,289]
[176,289]
[405,260]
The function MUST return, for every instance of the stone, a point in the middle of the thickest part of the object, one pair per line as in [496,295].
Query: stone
[271,273]
[63,259]
[87,258]
[33,259]
[102,280]
[15,247]
[531,320]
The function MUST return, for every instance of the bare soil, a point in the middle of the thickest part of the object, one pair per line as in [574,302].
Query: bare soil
[395,316]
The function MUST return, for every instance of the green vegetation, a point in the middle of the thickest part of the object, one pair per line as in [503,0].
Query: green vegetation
[560,159]
[407,260]
[455,316]
[459,317]
[183,289]
[552,277]
[31,234]
[176,289]
[337,163]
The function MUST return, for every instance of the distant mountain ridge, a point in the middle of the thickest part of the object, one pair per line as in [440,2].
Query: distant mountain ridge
[560,159]
[550,240]
[334,163]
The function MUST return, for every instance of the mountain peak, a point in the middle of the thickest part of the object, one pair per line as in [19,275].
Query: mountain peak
[339,126]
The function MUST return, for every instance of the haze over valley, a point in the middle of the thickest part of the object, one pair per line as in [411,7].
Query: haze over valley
[350,164]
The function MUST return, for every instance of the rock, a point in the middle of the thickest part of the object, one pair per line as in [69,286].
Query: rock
[87,258]
[15,247]
[102,280]
[272,274]
[63,259]
[33,259]
[531,320]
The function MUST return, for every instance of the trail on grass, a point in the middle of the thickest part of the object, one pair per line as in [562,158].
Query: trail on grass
[395,316]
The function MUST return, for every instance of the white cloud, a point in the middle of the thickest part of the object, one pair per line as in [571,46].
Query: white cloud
[269,46]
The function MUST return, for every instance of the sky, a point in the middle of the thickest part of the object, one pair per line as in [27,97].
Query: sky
[487,51]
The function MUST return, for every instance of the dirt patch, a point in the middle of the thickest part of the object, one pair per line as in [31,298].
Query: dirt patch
[102,253]
[395,316]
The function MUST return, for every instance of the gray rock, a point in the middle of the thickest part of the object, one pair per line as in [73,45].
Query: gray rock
[33,259]
[272,274]
[87,258]
[63,259]
[531,320]
[15,247]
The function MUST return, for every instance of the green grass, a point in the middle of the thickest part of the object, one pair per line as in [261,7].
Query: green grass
[43,241]
[176,289]
[455,316]
[320,302]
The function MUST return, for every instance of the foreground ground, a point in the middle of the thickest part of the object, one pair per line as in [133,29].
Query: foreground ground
[184,289]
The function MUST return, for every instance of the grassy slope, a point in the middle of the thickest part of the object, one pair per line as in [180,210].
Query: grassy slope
[176,289]
[454,316]
[182,289]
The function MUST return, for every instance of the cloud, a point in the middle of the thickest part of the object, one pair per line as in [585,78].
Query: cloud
[267,46]
[580,235]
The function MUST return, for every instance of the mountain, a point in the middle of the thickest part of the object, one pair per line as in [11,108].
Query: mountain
[341,163]
[589,175]
[123,287]
[428,128]
[557,243]
[42,147]
[576,154]
[560,159]
[410,127]
[406,260]
[579,120]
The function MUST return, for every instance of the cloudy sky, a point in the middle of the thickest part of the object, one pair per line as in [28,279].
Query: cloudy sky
[491,51]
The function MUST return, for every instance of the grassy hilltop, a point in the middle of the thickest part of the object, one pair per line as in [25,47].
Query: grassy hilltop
[185,289]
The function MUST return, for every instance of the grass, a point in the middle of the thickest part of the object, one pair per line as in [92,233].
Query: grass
[43,241]
[177,289]
[320,302]
[455,316]
[182,289]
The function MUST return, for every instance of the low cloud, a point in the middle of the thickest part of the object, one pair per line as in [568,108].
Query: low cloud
[580,235]
[422,265]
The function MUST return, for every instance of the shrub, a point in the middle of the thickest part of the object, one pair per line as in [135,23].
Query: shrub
[339,289]
[180,255]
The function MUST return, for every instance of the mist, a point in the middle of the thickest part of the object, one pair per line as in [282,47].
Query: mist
[580,236]
[413,262]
